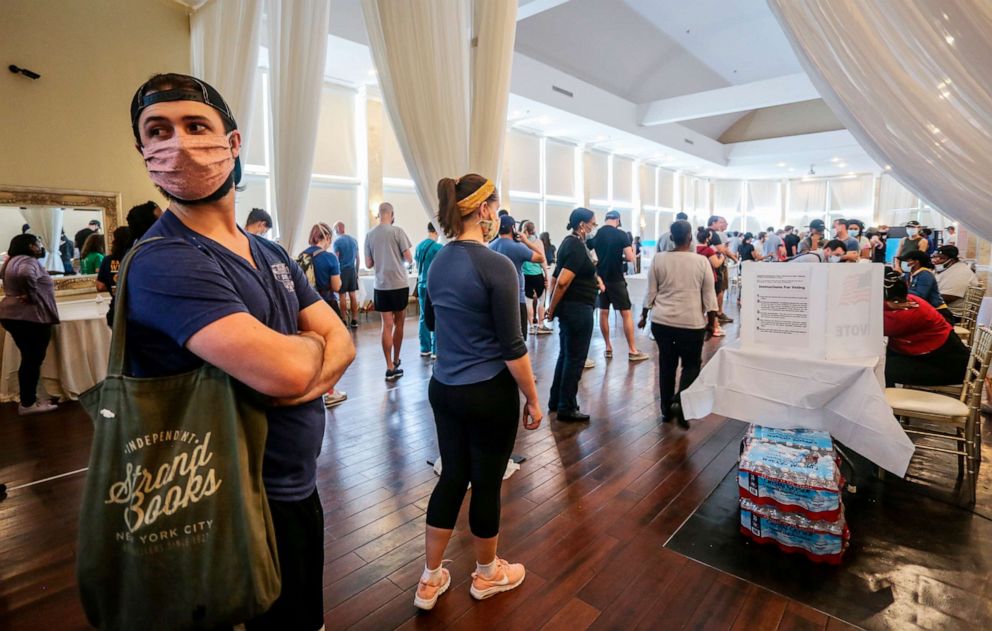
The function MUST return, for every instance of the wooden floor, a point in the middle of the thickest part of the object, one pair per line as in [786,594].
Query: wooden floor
[588,513]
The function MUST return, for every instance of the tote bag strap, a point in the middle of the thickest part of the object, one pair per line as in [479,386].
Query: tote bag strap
[118,334]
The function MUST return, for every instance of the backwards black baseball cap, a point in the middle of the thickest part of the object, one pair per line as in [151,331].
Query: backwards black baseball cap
[181,87]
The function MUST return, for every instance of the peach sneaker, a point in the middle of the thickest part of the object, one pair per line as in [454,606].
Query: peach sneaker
[429,591]
[506,577]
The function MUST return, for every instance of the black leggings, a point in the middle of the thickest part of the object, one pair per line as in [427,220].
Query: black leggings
[476,427]
[32,340]
[943,367]
[674,345]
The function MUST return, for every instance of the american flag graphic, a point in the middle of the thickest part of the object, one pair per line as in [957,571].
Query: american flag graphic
[856,289]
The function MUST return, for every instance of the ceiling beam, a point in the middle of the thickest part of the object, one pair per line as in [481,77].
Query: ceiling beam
[532,8]
[791,88]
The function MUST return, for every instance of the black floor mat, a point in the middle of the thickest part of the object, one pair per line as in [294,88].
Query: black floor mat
[914,561]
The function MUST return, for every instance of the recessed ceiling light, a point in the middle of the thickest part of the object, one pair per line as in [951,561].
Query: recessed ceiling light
[841,165]
[781,164]
[835,159]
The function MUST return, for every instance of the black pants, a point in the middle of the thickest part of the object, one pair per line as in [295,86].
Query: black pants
[574,335]
[32,340]
[300,543]
[476,427]
[675,345]
[943,367]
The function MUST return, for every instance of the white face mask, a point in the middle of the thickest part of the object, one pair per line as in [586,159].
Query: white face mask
[834,258]
[911,232]
[939,267]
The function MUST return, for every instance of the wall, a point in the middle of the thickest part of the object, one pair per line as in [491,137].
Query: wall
[806,117]
[71,128]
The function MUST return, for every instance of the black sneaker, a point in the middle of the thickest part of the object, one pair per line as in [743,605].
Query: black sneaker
[354,324]
[573,416]
[394,374]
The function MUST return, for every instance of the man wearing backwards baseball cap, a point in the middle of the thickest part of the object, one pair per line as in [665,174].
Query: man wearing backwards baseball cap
[210,292]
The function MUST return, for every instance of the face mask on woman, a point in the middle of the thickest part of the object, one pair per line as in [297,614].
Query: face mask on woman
[911,232]
[854,232]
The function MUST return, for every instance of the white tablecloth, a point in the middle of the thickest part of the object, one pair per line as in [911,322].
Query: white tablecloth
[844,398]
[637,286]
[366,285]
[77,355]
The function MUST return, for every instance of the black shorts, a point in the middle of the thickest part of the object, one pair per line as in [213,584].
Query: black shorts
[349,280]
[391,300]
[523,320]
[299,530]
[616,295]
[533,285]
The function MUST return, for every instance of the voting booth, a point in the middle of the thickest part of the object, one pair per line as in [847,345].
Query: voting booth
[814,310]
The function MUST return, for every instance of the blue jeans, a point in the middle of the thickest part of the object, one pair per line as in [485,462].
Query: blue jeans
[575,333]
[428,343]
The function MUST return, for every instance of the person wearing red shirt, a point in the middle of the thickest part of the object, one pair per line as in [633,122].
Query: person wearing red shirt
[923,349]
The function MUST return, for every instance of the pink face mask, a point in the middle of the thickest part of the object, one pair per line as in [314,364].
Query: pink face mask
[190,167]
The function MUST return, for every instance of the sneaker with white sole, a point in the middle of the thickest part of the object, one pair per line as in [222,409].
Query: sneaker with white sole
[542,330]
[506,577]
[428,592]
[334,398]
[639,356]
[589,364]
[38,407]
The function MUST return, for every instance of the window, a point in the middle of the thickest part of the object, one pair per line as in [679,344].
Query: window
[623,173]
[596,172]
[666,189]
[763,205]
[560,158]
[255,195]
[254,144]
[393,165]
[807,201]
[410,212]
[521,209]
[556,218]
[329,203]
[524,153]
[335,150]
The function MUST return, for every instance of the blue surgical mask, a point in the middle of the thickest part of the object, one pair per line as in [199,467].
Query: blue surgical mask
[854,233]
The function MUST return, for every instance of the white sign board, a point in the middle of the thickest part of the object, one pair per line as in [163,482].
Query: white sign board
[821,310]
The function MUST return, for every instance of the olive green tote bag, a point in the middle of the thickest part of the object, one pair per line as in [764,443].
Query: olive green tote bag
[174,530]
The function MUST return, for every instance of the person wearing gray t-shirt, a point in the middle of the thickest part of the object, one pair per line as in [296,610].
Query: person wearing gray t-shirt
[387,251]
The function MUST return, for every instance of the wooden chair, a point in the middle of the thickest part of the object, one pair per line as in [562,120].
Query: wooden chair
[969,318]
[938,418]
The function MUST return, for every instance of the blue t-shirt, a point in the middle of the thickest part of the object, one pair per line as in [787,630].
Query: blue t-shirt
[924,284]
[472,306]
[346,249]
[518,253]
[423,257]
[182,283]
[325,267]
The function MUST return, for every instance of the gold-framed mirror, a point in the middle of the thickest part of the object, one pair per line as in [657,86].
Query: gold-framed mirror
[51,213]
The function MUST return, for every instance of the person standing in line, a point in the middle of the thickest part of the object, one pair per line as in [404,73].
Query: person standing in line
[387,251]
[613,247]
[66,253]
[912,242]
[535,282]
[79,240]
[326,277]
[852,244]
[424,255]
[346,249]
[106,277]
[28,312]
[572,301]
[637,254]
[210,292]
[665,240]
[139,219]
[791,242]
[856,230]
[519,251]
[704,247]
[481,369]
[718,225]
[91,256]
[952,236]
[258,223]
[772,249]
[549,249]
[682,302]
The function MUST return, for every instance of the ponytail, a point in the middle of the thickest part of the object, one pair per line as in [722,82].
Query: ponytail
[449,193]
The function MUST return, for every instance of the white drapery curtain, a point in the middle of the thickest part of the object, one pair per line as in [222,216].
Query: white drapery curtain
[224,38]
[297,44]
[46,222]
[911,80]
[727,197]
[764,205]
[807,201]
[444,70]
[851,197]
[896,203]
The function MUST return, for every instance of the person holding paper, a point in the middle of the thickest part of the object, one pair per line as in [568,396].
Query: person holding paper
[682,301]
[923,349]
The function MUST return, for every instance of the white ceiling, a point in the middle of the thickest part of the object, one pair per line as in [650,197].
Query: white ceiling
[639,51]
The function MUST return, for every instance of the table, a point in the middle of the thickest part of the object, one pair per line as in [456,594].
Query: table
[637,286]
[366,285]
[984,317]
[843,397]
[77,355]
